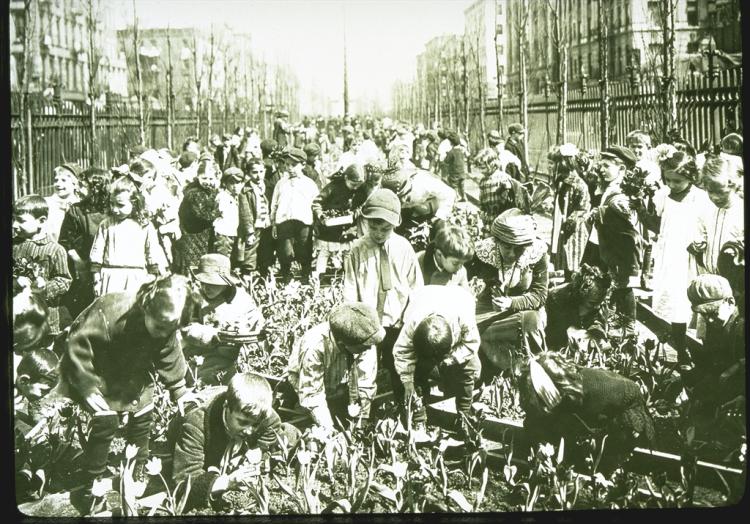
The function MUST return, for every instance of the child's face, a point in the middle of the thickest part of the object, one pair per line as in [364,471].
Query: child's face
[719,192]
[257,172]
[32,389]
[638,147]
[207,179]
[449,264]
[26,225]
[676,183]
[64,184]
[294,168]
[235,187]
[351,185]
[212,290]
[720,312]
[161,324]
[121,204]
[379,230]
[241,423]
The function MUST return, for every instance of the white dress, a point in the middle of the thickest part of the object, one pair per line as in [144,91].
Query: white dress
[674,267]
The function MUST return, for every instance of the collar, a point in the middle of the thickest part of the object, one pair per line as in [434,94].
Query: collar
[45,239]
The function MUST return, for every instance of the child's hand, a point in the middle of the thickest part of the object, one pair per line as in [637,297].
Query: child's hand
[96,402]
[274,232]
[502,303]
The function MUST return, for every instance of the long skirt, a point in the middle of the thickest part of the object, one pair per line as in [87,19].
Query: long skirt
[117,279]
[506,338]
[190,248]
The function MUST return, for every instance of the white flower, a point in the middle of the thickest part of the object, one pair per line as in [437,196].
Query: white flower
[510,473]
[547,449]
[399,469]
[254,456]
[665,151]
[353,410]
[568,149]
[198,360]
[131,450]
[599,480]
[101,487]
[304,457]
[153,466]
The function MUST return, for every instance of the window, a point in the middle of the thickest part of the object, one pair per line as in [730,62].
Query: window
[692,12]
[499,7]
[499,29]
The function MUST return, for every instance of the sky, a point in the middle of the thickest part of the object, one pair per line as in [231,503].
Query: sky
[383,37]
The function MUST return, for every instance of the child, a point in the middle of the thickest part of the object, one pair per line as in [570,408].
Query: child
[454,166]
[30,325]
[498,191]
[338,196]
[382,270]
[33,245]
[329,355]
[236,420]
[66,194]
[110,354]
[442,263]
[291,214]
[255,221]
[35,377]
[226,306]
[677,211]
[126,249]
[313,165]
[197,213]
[228,221]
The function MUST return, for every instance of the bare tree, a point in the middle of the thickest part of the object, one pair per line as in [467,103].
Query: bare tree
[465,83]
[481,93]
[499,71]
[560,42]
[211,62]
[94,61]
[170,91]
[139,79]
[603,73]
[198,72]
[667,14]
[25,163]
[523,27]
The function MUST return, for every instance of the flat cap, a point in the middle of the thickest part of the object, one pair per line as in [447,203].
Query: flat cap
[705,290]
[621,153]
[356,324]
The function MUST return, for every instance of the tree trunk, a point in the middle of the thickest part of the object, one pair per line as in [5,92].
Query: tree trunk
[209,115]
[170,94]
[669,120]
[524,100]
[465,72]
[93,91]
[603,75]
[482,97]
[139,81]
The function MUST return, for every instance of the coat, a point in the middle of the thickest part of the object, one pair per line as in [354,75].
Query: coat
[199,441]
[109,350]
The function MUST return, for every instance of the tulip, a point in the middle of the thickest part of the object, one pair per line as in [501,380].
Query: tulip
[399,469]
[131,450]
[101,487]
[153,466]
[304,457]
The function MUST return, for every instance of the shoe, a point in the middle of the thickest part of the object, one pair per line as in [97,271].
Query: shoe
[647,283]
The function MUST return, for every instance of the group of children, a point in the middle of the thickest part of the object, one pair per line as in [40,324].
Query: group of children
[410,314]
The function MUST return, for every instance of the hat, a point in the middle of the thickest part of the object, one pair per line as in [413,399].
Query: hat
[72,168]
[705,290]
[283,112]
[514,227]
[294,153]
[494,137]
[516,128]
[215,269]
[312,150]
[354,173]
[623,154]
[395,179]
[356,324]
[383,203]
[233,175]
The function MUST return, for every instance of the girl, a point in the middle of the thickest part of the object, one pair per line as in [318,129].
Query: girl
[337,196]
[198,210]
[678,207]
[126,248]
[572,202]
[111,353]
[65,195]
[77,235]
[227,223]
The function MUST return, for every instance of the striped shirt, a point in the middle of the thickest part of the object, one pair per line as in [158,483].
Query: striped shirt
[318,366]
[53,259]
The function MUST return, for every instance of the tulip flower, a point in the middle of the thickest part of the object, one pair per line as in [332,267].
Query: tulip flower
[131,450]
[153,466]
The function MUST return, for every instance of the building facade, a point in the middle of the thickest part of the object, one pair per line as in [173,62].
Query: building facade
[54,38]
[485,32]
[634,36]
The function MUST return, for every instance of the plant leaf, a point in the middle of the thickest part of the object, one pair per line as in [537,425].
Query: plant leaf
[385,492]
[460,500]
[340,503]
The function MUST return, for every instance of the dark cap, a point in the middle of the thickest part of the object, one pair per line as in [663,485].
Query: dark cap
[705,290]
[383,204]
[621,153]
[293,153]
[312,150]
[267,146]
[356,324]
[233,175]
[516,128]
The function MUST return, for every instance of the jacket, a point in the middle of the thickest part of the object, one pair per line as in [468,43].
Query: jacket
[201,440]
[109,349]
[432,275]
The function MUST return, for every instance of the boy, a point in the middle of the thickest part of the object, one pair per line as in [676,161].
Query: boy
[32,243]
[255,222]
[237,419]
[454,166]
[439,334]
[442,263]
[382,270]
[291,214]
[227,223]
[334,356]
[312,165]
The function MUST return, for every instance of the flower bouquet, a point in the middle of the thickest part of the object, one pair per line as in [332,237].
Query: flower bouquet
[28,274]
[636,186]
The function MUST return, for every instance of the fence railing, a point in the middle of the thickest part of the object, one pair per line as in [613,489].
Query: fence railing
[705,110]
[61,132]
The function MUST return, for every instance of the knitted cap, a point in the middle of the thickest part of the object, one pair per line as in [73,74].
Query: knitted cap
[356,324]
[514,227]
[707,289]
[383,203]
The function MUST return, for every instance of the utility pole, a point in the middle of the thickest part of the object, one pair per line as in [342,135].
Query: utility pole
[603,74]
